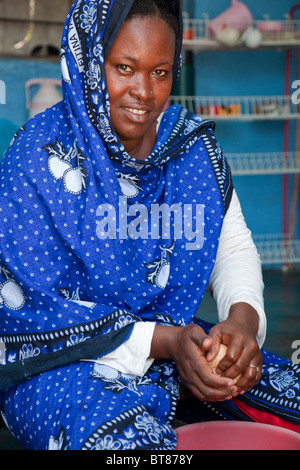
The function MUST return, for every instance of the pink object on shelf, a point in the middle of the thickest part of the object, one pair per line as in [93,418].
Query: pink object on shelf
[236,435]
[237,16]
[270,26]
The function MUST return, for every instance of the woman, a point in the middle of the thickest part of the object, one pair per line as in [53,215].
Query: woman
[118,217]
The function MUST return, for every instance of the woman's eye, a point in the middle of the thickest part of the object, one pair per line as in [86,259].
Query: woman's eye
[124,68]
[160,73]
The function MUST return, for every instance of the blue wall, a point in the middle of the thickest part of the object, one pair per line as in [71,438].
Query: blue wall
[246,73]
[15,73]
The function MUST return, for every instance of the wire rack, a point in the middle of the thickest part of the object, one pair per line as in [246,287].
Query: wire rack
[278,249]
[281,33]
[241,108]
[264,163]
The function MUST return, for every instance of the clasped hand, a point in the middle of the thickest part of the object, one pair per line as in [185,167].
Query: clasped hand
[196,348]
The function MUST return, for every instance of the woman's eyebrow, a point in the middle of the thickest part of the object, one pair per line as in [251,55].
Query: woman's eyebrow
[134,60]
[165,63]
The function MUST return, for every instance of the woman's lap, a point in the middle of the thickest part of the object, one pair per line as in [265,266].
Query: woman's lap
[73,408]
[91,406]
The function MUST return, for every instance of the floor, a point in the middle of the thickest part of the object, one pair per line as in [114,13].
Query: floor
[282,305]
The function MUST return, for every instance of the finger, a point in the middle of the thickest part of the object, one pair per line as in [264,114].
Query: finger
[211,395]
[203,341]
[208,392]
[231,364]
[241,367]
[206,345]
[214,349]
[212,386]
[238,355]
[249,378]
[234,371]
[198,376]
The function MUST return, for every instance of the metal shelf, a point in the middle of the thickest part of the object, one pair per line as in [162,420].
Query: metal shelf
[240,108]
[267,163]
[276,249]
[197,36]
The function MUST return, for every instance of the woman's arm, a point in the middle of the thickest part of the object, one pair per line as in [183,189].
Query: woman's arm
[237,287]
[237,275]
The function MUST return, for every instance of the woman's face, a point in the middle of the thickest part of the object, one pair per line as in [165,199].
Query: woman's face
[139,77]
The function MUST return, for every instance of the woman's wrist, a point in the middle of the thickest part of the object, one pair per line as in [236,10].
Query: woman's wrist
[245,314]
[163,344]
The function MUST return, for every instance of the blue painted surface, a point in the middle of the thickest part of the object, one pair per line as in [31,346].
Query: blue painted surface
[7,131]
[15,73]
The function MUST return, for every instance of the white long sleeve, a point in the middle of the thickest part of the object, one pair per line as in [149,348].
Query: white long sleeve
[236,277]
[132,357]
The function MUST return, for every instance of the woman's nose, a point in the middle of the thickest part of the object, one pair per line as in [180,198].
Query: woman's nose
[141,88]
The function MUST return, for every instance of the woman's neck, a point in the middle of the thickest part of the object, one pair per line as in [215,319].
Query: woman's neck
[142,149]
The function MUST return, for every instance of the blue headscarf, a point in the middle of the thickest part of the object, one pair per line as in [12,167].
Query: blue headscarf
[92,240]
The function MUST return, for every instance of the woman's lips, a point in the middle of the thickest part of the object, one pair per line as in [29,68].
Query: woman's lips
[136,114]
[136,111]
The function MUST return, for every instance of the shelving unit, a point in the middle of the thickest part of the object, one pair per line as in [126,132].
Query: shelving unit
[196,37]
[275,249]
[268,163]
[241,108]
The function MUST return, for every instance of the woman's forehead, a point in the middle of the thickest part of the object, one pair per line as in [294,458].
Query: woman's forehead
[142,34]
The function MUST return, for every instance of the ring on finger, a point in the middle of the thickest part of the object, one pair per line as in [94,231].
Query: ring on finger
[254,367]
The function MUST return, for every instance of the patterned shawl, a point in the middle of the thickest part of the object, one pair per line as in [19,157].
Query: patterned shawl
[92,240]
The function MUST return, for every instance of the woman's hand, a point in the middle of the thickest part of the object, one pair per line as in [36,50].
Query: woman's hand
[238,332]
[187,346]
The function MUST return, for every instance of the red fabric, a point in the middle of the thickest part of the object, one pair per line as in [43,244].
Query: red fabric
[264,417]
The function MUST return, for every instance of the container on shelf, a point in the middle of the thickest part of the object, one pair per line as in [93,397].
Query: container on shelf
[46,96]
[237,17]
